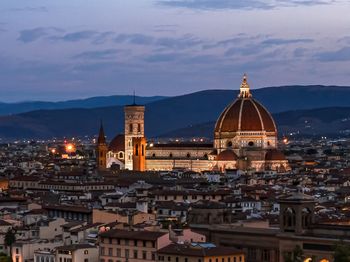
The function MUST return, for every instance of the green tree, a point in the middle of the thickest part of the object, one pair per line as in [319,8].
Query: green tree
[10,238]
[296,256]
[342,253]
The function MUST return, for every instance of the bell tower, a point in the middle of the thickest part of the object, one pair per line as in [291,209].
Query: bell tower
[101,150]
[296,212]
[134,128]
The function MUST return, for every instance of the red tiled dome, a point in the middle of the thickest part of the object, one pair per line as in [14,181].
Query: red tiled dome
[245,114]
[227,155]
[274,154]
[117,144]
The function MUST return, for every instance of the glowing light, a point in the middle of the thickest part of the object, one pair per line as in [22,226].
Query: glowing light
[151,145]
[70,148]
[285,140]
[53,151]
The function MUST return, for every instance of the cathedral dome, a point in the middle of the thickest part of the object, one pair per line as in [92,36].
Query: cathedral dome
[117,144]
[227,155]
[245,114]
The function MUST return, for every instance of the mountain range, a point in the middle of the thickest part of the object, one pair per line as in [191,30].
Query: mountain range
[307,110]
[93,102]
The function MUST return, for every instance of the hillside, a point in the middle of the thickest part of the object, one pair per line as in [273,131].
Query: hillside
[174,113]
[93,102]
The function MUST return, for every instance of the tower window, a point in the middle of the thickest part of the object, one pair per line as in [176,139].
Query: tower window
[139,128]
[130,128]
[143,150]
[136,149]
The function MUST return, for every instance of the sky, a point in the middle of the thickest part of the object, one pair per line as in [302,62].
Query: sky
[67,49]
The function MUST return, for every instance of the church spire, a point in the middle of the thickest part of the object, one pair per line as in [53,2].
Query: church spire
[244,90]
[101,136]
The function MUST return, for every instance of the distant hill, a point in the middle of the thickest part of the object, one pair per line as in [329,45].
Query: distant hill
[174,113]
[93,102]
[332,121]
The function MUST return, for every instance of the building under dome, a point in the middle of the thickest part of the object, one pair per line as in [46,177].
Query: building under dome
[245,137]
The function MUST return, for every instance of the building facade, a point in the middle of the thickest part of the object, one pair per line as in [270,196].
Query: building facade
[245,137]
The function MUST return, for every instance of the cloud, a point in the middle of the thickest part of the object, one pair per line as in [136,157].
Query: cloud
[239,4]
[342,54]
[30,35]
[137,39]
[281,41]
[217,4]
[77,36]
[99,55]
[160,58]
[30,9]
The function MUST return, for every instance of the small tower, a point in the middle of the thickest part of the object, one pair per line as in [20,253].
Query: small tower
[244,90]
[134,128]
[101,150]
[296,212]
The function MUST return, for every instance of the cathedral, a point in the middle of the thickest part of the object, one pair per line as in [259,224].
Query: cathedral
[245,138]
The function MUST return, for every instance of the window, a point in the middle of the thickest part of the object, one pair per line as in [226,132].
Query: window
[86,260]
[118,241]
[139,128]
[102,251]
[153,244]
[126,253]
[186,259]
[126,242]
[86,252]
[110,251]
[169,258]
[144,243]
[223,260]
[135,243]
[119,252]
[110,240]
[17,251]
[144,255]
[251,143]
[199,260]
[188,155]
[130,128]
[153,256]
[177,259]
[135,253]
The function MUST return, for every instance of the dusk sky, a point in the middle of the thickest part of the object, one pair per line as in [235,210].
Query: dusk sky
[67,49]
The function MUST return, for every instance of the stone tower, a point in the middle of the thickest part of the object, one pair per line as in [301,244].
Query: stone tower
[101,150]
[134,128]
[296,213]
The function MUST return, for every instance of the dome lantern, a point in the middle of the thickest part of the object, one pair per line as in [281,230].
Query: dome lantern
[244,88]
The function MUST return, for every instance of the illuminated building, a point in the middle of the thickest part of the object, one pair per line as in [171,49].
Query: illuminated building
[245,137]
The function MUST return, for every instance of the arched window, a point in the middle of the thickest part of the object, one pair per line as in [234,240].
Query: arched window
[139,128]
[170,155]
[143,150]
[188,155]
[251,143]
[305,217]
[289,218]
[121,155]
[229,144]
[130,128]
[153,155]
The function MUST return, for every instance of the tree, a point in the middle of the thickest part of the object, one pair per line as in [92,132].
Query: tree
[295,256]
[10,238]
[341,253]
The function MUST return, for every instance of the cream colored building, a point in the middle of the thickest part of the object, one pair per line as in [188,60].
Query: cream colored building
[245,137]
